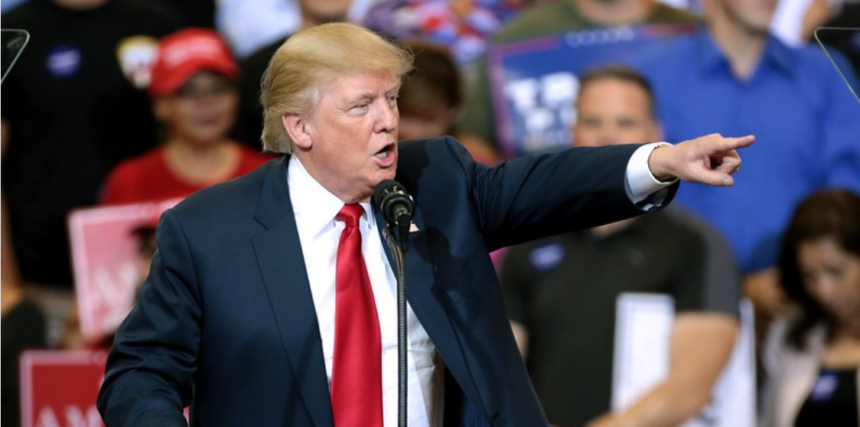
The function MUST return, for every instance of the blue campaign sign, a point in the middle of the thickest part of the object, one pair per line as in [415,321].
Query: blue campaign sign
[534,82]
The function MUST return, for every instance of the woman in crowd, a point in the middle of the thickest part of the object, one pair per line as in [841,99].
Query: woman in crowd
[813,352]
[194,97]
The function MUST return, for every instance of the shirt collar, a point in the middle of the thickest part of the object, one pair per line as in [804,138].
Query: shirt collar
[314,206]
[711,56]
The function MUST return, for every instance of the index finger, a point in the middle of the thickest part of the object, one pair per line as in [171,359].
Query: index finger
[735,143]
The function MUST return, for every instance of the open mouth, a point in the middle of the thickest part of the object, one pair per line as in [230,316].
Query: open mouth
[385,151]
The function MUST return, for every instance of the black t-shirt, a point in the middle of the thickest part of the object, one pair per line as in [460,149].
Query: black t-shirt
[564,291]
[832,402]
[72,115]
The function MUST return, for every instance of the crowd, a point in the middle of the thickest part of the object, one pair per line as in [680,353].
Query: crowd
[117,102]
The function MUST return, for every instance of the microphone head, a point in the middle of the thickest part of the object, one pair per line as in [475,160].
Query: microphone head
[393,201]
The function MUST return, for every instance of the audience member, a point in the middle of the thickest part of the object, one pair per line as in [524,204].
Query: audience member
[72,111]
[812,354]
[249,127]
[734,75]
[561,292]
[431,95]
[194,96]
[476,128]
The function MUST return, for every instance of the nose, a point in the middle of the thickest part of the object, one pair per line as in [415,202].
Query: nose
[387,118]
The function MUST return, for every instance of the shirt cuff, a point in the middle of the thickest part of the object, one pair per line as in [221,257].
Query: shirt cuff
[640,183]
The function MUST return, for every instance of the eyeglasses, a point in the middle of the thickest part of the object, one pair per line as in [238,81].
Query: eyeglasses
[192,91]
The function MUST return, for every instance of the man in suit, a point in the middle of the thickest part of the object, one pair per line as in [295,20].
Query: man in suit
[242,316]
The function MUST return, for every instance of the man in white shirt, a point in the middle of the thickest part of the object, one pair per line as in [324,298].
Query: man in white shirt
[240,317]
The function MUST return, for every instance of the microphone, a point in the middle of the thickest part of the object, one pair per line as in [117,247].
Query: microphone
[396,206]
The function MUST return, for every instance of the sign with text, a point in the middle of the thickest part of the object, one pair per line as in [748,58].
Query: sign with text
[642,339]
[107,262]
[59,388]
[534,82]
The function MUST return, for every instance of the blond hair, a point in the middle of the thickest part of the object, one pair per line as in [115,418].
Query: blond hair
[310,59]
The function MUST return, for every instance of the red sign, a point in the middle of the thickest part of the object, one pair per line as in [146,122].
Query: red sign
[107,263]
[59,388]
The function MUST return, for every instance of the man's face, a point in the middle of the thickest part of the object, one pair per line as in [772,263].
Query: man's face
[611,111]
[751,15]
[353,134]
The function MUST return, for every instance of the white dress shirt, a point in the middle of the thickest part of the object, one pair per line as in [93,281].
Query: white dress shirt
[315,209]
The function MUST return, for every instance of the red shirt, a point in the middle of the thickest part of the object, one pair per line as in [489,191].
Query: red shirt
[147,178]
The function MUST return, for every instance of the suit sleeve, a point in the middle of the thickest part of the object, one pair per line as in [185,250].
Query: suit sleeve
[537,196]
[150,369]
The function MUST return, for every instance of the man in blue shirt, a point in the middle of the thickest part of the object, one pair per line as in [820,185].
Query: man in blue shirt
[734,76]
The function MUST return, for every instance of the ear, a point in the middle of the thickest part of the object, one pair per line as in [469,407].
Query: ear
[298,129]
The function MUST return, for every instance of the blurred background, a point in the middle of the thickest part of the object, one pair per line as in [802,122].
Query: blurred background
[117,109]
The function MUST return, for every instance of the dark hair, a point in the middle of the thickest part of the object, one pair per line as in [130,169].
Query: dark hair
[824,214]
[434,80]
[621,73]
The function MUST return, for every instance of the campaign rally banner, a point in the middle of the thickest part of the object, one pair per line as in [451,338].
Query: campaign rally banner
[107,262]
[534,82]
[59,388]
[642,339]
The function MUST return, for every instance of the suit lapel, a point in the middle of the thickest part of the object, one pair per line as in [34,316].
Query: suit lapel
[423,296]
[282,265]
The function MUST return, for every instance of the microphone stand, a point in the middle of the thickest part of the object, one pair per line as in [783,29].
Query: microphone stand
[397,251]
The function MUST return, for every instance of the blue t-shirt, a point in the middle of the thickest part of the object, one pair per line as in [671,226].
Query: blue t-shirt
[806,122]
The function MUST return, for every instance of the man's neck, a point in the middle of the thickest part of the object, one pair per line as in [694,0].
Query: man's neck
[615,12]
[743,46]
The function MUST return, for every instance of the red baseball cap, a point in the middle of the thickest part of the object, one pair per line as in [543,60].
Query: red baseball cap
[186,52]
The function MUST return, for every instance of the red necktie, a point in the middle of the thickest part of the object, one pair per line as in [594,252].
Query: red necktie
[356,378]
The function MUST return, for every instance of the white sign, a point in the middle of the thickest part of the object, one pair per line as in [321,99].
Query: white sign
[642,334]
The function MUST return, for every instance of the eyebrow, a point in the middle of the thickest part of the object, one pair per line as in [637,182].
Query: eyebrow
[365,96]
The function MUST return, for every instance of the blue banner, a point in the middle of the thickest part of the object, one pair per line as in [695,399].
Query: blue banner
[534,83]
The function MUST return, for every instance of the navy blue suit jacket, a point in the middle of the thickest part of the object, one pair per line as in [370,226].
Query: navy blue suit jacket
[226,322]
